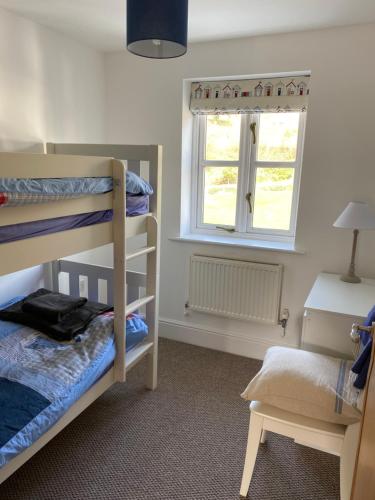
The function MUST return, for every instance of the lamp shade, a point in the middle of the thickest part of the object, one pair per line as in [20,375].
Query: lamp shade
[357,215]
[157,28]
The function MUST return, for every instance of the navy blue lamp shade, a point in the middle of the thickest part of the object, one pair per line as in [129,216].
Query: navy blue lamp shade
[157,28]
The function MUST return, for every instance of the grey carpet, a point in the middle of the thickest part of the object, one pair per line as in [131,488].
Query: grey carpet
[185,441]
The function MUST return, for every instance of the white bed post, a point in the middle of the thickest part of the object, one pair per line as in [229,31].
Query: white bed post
[119,259]
[55,270]
[51,275]
[152,308]
[153,266]
[155,176]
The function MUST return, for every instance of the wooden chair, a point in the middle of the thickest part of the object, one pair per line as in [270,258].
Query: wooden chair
[337,439]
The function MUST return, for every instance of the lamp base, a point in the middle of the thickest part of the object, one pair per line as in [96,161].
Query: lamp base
[350,278]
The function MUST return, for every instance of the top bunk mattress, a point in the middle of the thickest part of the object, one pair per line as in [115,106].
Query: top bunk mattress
[16,192]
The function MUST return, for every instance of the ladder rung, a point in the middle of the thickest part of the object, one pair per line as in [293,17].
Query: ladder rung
[137,353]
[141,251]
[133,306]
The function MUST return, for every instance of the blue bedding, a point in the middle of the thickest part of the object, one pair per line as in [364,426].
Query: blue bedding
[56,187]
[41,378]
[73,185]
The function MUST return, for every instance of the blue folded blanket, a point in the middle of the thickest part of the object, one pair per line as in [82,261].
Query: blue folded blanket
[362,363]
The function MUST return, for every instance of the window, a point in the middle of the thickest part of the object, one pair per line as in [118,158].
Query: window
[247,173]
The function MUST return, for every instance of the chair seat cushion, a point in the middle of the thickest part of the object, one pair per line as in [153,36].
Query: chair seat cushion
[306,383]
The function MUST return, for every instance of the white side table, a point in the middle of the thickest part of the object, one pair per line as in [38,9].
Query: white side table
[330,309]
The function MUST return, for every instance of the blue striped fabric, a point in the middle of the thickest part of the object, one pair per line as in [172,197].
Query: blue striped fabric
[340,387]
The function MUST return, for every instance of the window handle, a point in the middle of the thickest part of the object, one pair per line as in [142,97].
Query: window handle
[248,198]
[227,229]
[252,128]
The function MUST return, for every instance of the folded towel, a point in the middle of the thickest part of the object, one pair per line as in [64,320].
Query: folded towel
[362,363]
[70,325]
[51,306]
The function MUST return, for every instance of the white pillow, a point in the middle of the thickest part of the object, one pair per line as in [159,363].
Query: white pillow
[306,383]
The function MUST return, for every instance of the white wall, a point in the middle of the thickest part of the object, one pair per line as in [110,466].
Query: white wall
[51,89]
[144,103]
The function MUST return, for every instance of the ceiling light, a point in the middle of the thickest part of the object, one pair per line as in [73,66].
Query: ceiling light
[157,28]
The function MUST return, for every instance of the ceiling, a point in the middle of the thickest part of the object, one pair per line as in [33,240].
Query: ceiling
[100,23]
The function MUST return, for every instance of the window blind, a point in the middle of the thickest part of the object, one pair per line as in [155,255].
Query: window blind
[249,96]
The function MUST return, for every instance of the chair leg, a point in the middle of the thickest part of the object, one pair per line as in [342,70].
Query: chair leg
[253,440]
[263,437]
[347,460]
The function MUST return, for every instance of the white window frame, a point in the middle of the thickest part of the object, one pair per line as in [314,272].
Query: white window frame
[247,165]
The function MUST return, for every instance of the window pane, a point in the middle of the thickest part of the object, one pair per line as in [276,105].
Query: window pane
[220,195]
[223,137]
[278,136]
[273,198]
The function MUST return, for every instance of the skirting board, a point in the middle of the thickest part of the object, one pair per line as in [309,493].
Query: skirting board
[218,340]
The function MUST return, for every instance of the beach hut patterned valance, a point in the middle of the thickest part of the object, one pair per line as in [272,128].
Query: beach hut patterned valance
[270,95]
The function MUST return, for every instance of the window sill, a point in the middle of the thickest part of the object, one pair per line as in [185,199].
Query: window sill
[271,246]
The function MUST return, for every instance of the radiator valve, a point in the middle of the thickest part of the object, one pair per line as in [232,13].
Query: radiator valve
[186,309]
[284,320]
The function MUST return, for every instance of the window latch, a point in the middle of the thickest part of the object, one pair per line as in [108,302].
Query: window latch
[252,128]
[248,199]
[227,229]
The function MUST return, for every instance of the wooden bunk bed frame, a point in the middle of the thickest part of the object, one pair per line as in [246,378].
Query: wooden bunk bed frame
[91,161]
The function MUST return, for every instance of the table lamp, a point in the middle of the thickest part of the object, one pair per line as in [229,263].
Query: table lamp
[357,215]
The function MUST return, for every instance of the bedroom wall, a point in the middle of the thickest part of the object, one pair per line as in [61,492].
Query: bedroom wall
[144,105]
[51,89]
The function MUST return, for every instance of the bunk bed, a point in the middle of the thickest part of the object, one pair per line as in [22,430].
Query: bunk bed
[129,292]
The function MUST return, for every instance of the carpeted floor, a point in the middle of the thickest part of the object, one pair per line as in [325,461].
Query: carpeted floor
[185,441]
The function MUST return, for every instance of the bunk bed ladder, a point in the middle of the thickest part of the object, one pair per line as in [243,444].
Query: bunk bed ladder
[151,301]
[122,309]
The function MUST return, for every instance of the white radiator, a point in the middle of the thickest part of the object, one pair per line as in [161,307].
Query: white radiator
[238,289]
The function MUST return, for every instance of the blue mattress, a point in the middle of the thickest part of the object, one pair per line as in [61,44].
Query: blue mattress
[41,378]
[57,187]
[76,186]
[135,205]
[18,192]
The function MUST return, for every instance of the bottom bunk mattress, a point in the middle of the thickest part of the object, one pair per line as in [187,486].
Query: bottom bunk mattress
[41,378]
[135,205]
